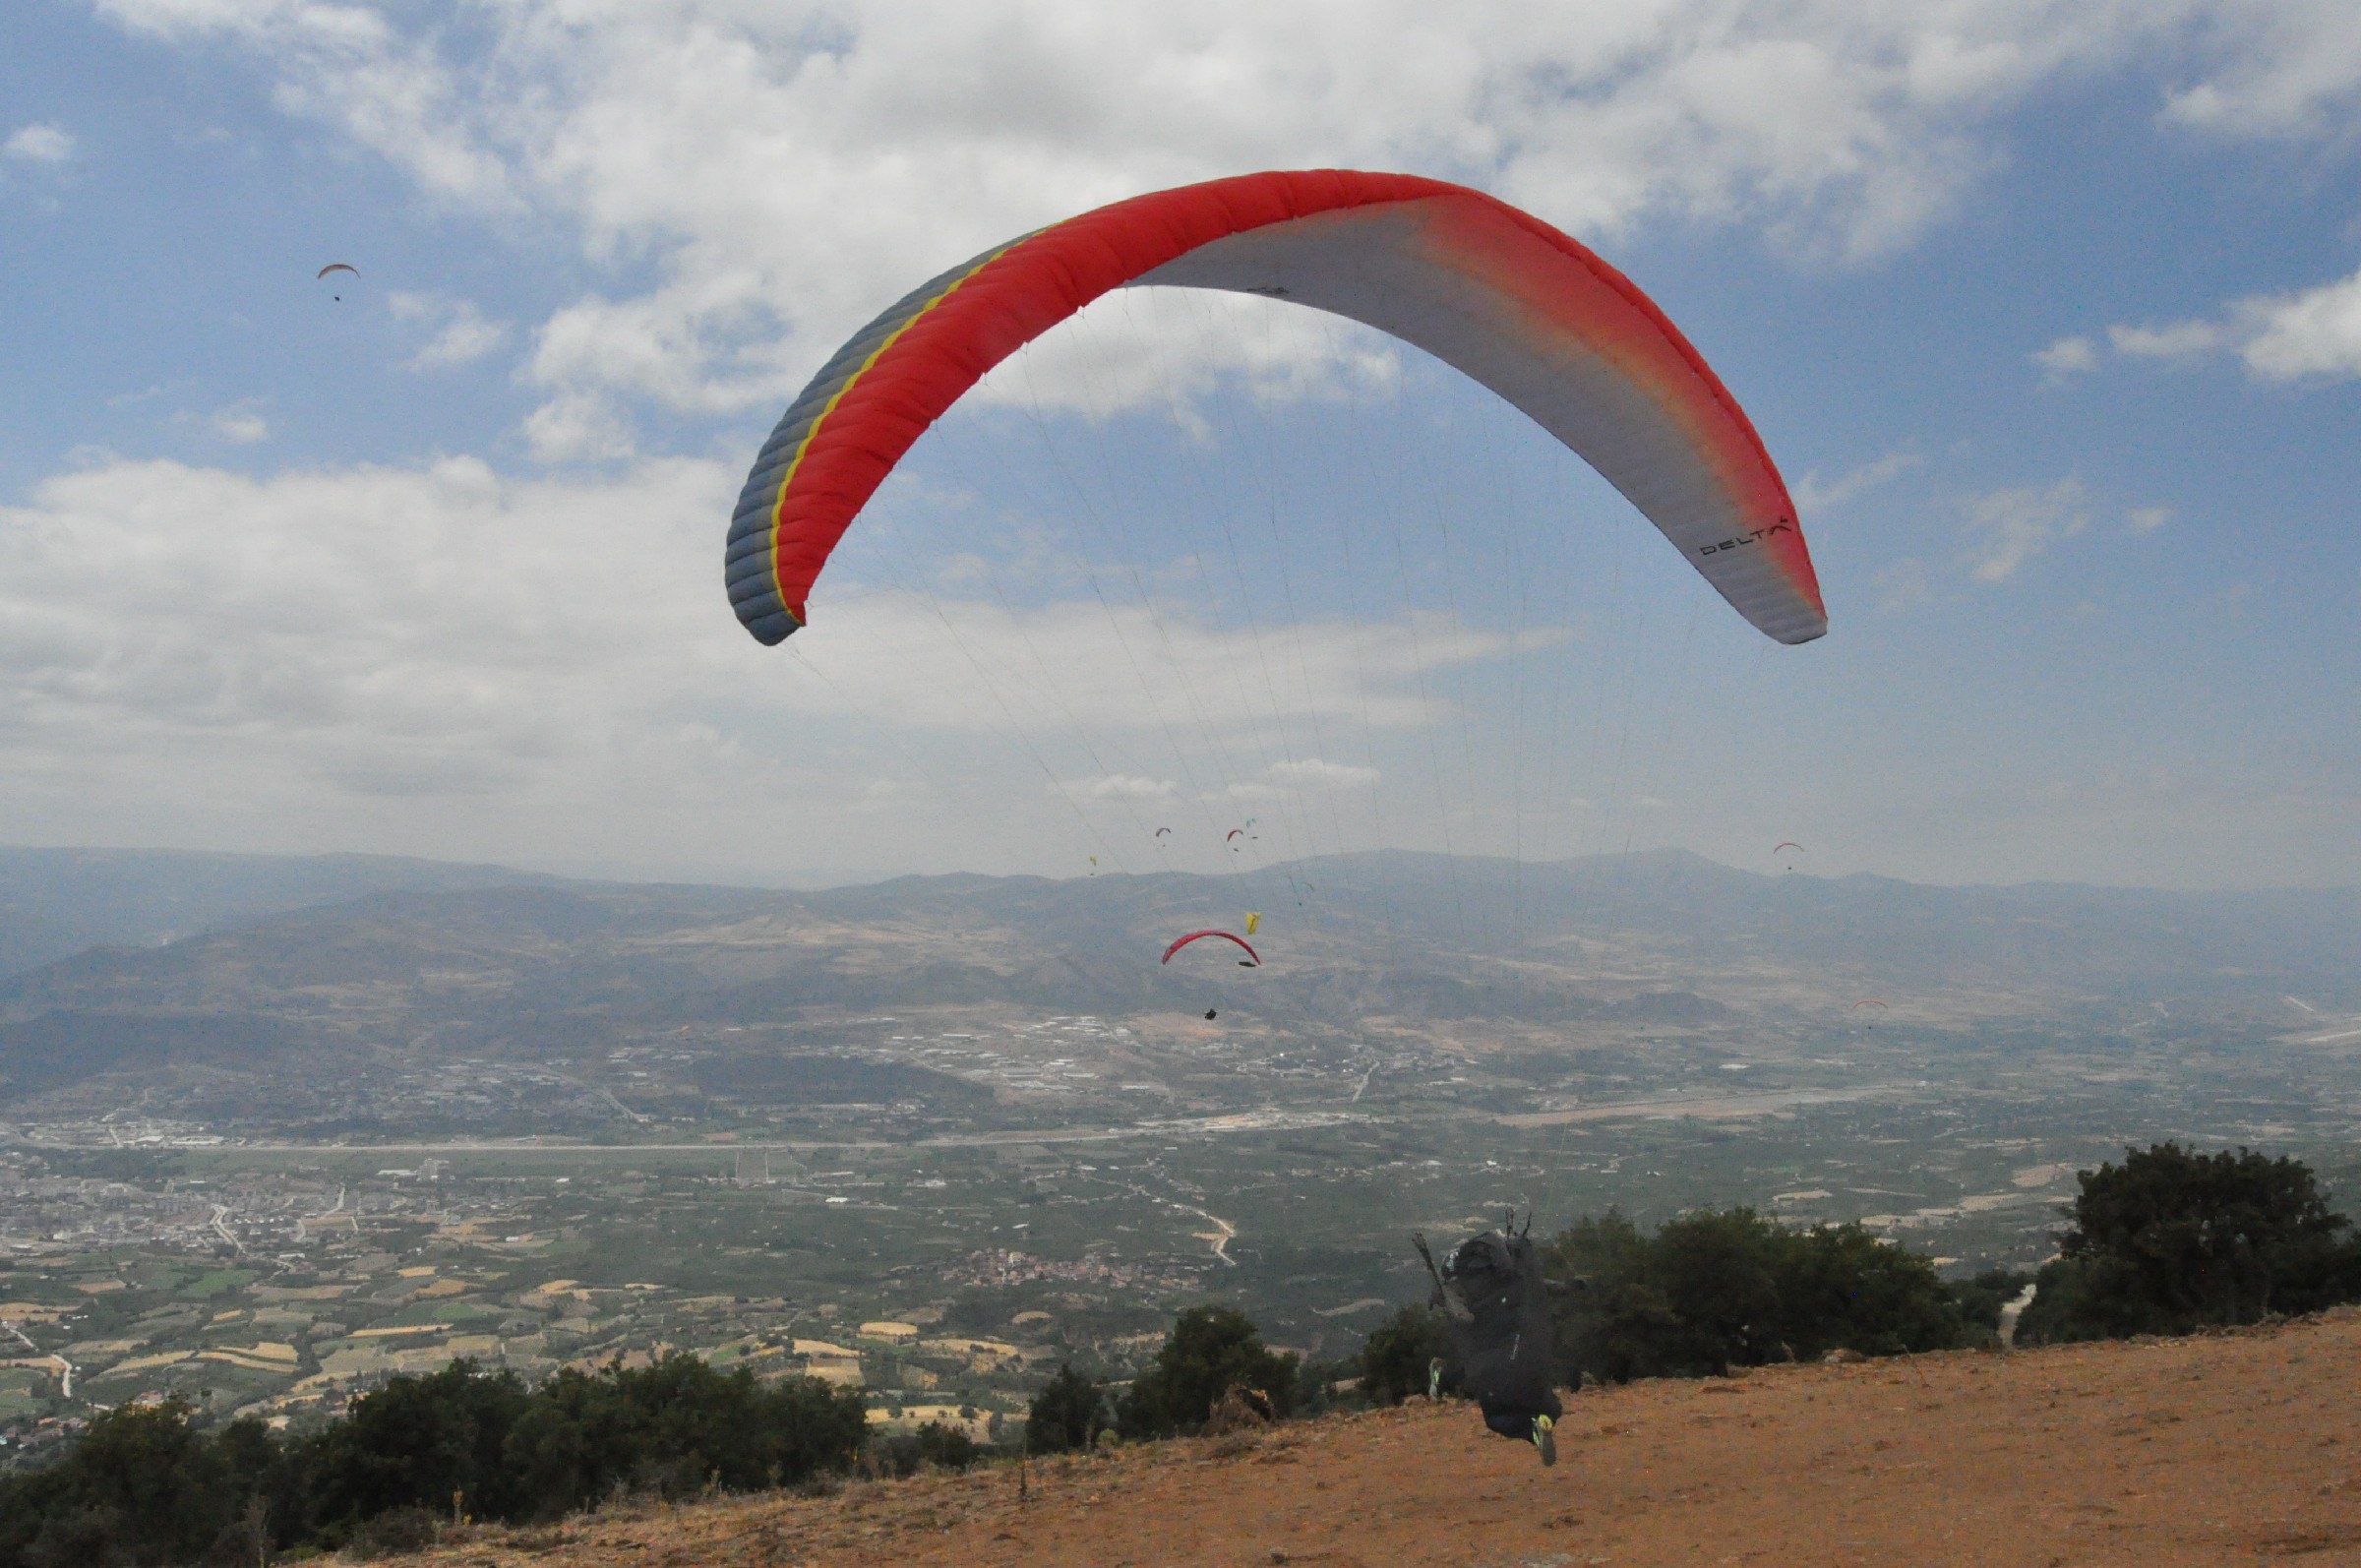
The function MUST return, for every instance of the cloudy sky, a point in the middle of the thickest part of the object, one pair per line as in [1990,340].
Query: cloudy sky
[2052,313]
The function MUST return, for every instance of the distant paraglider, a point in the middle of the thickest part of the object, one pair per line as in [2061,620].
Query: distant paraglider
[335,267]
[1164,832]
[1252,960]
[1253,920]
[1785,845]
[1870,1001]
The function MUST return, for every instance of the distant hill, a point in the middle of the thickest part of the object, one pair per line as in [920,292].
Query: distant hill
[55,903]
[242,958]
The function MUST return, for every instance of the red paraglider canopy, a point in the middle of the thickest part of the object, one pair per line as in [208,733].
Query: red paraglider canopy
[1196,935]
[1488,289]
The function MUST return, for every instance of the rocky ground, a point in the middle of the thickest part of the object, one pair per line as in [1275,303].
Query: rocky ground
[2242,1448]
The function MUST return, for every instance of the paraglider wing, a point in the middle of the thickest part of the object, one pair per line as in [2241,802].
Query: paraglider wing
[1161,831]
[1869,1001]
[1486,288]
[335,267]
[1253,921]
[1200,935]
[1234,832]
[1787,844]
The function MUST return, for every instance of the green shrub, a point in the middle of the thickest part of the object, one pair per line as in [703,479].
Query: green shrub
[1066,1413]
[1724,1287]
[2170,1241]
[143,1485]
[1395,1358]
[944,1447]
[1209,1349]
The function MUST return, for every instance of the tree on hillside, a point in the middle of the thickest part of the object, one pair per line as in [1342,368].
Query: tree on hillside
[1395,1358]
[414,1442]
[2171,1240]
[1209,1349]
[143,1485]
[1066,1413]
[1721,1287]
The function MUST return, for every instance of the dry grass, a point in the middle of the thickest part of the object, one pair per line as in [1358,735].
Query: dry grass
[2220,1450]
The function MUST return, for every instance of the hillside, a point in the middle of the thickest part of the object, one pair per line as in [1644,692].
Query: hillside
[355,962]
[55,903]
[2219,1450]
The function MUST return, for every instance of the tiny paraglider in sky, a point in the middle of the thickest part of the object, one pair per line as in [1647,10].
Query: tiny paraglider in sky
[1785,845]
[335,267]
[1164,832]
[1253,959]
[1253,920]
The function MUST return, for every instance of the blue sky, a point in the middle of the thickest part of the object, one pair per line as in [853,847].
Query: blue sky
[2051,313]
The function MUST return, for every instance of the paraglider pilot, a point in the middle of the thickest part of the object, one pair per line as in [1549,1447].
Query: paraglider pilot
[1496,1300]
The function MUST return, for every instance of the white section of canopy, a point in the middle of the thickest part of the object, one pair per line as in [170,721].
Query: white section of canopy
[1387,267]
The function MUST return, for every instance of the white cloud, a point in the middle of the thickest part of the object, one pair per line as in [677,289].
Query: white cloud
[915,660]
[1812,495]
[2013,527]
[438,659]
[2297,336]
[1314,773]
[2286,69]
[1122,787]
[241,424]
[781,169]
[2175,340]
[1902,587]
[2314,334]
[2147,519]
[465,333]
[580,427]
[39,144]
[2068,356]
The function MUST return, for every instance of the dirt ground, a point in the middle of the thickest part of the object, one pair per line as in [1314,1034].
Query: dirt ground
[2243,1448]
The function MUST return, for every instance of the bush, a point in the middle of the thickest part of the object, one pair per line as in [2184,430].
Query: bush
[1315,1385]
[1724,1287]
[1395,1358]
[944,1447]
[395,1533]
[413,1443]
[146,1487]
[1068,1413]
[143,1485]
[1209,1349]
[2170,1241]
[674,1429]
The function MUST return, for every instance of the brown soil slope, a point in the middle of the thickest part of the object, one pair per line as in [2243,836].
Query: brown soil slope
[2219,1450]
